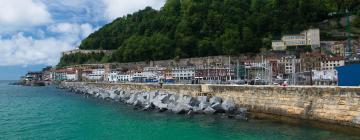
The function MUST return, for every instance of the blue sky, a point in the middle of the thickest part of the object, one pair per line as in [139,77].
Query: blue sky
[33,33]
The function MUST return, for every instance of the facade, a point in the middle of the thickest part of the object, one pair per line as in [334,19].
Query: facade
[330,63]
[309,37]
[58,75]
[278,45]
[142,77]
[290,64]
[183,73]
[97,74]
[71,76]
[338,49]
[311,61]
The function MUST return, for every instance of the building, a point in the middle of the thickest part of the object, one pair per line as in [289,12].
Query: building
[289,64]
[71,75]
[278,45]
[144,77]
[96,75]
[183,73]
[330,63]
[311,61]
[338,49]
[58,75]
[309,37]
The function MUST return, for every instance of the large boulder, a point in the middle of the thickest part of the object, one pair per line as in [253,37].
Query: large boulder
[217,107]
[202,99]
[181,108]
[228,105]
[132,99]
[203,105]
[209,110]
[214,100]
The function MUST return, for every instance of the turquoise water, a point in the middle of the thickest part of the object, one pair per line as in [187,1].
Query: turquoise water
[50,113]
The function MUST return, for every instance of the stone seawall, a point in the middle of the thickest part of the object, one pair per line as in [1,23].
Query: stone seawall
[338,105]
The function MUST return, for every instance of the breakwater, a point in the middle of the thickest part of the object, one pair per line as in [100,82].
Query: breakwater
[337,105]
[161,101]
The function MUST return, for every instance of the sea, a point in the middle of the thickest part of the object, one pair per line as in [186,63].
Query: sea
[48,113]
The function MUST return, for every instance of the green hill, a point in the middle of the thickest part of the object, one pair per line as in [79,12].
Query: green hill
[193,28]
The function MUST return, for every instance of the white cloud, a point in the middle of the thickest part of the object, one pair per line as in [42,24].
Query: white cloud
[21,50]
[72,32]
[119,8]
[25,50]
[17,14]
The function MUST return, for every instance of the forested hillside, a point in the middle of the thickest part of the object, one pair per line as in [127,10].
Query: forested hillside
[192,28]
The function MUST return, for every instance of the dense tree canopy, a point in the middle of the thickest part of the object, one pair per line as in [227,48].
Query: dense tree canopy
[191,28]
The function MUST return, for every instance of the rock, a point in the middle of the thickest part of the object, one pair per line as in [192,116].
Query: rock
[216,106]
[215,100]
[187,100]
[202,99]
[228,105]
[149,107]
[203,105]
[173,98]
[181,108]
[132,99]
[160,105]
[137,103]
[209,110]
[197,110]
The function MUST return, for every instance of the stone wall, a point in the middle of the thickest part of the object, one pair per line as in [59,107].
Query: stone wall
[338,105]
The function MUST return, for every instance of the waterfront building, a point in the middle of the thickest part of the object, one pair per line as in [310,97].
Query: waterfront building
[71,75]
[142,77]
[96,75]
[183,73]
[58,75]
[33,76]
[330,63]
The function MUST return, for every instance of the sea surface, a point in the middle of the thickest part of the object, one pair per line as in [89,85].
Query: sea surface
[50,113]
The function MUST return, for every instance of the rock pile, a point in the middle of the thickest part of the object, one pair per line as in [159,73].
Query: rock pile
[163,101]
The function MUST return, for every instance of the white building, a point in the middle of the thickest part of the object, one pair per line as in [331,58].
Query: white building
[183,73]
[115,77]
[278,45]
[143,76]
[112,77]
[97,74]
[309,37]
[124,77]
[71,76]
[332,62]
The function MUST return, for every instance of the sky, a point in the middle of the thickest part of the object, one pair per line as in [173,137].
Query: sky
[33,33]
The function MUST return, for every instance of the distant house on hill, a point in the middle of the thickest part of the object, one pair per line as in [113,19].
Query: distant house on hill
[309,37]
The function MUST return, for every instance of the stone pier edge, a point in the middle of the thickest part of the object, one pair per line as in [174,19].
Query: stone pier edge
[329,104]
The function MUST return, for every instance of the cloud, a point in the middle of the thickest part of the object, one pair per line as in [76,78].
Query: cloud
[22,14]
[119,8]
[37,31]
[21,50]
[25,50]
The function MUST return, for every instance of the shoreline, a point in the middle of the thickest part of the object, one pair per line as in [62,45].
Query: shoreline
[273,101]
